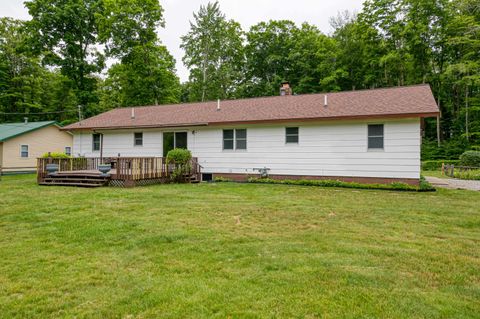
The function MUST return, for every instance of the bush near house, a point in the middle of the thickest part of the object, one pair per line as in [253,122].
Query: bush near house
[55,155]
[181,159]
[179,156]
[470,158]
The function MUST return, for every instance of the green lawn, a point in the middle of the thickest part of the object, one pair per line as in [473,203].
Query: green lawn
[237,250]
[435,174]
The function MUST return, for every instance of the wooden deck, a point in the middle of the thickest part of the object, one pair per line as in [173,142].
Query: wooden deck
[125,171]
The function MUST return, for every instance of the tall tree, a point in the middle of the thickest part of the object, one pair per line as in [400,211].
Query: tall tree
[27,89]
[269,45]
[146,72]
[65,33]
[213,54]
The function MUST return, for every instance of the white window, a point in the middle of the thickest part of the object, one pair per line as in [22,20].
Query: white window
[241,139]
[24,151]
[235,139]
[96,142]
[138,139]
[291,135]
[68,150]
[375,136]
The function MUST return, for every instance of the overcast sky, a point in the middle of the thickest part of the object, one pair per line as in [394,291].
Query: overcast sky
[178,13]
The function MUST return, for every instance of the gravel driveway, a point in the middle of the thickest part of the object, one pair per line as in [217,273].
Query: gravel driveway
[452,183]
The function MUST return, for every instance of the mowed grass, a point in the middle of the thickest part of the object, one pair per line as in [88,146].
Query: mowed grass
[237,251]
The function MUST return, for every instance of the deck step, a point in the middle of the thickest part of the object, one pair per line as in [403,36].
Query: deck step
[56,183]
[75,179]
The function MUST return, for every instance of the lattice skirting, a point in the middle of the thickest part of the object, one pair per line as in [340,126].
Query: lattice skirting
[143,182]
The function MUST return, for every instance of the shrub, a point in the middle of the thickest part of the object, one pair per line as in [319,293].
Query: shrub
[473,174]
[470,158]
[55,155]
[180,158]
[221,179]
[437,164]
[424,185]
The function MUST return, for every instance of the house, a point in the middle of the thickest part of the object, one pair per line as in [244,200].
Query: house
[368,136]
[22,143]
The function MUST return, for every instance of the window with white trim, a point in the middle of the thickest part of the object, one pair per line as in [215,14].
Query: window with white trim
[68,150]
[241,139]
[138,139]
[375,136]
[24,151]
[96,142]
[235,139]
[291,135]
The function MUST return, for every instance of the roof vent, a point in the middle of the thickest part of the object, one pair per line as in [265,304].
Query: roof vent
[133,113]
[218,105]
[325,101]
[25,119]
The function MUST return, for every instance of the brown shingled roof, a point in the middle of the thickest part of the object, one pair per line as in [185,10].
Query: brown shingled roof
[407,101]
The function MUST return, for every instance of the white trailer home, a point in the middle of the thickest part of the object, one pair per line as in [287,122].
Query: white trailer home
[368,136]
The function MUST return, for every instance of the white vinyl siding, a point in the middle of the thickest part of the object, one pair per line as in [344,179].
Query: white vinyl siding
[329,148]
[119,142]
[325,149]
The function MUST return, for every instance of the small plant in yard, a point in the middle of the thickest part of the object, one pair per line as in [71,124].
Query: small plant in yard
[473,174]
[221,179]
[180,159]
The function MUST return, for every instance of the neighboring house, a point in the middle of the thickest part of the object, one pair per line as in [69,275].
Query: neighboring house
[371,136]
[22,143]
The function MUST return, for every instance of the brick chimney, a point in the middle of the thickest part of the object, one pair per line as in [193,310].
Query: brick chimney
[285,88]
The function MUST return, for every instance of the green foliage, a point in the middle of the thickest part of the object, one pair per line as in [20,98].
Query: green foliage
[25,85]
[180,158]
[470,158]
[473,174]
[436,165]
[213,53]
[146,72]
[221,179]
[55,155]
[65,34]
[424,185]
[450,150]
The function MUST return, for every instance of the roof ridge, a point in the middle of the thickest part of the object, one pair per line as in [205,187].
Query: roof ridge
[272,96]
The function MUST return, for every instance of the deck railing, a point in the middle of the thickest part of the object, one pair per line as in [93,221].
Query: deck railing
[127,169]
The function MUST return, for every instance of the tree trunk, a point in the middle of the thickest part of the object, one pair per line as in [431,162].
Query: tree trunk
[466,112]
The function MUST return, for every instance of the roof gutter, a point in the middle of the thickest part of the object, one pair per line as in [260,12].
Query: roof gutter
[308,119]
[131,127]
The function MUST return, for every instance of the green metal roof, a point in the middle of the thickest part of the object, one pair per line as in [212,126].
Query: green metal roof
[10,130]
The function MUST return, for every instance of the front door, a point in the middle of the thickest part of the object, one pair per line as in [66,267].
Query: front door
[173,140]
